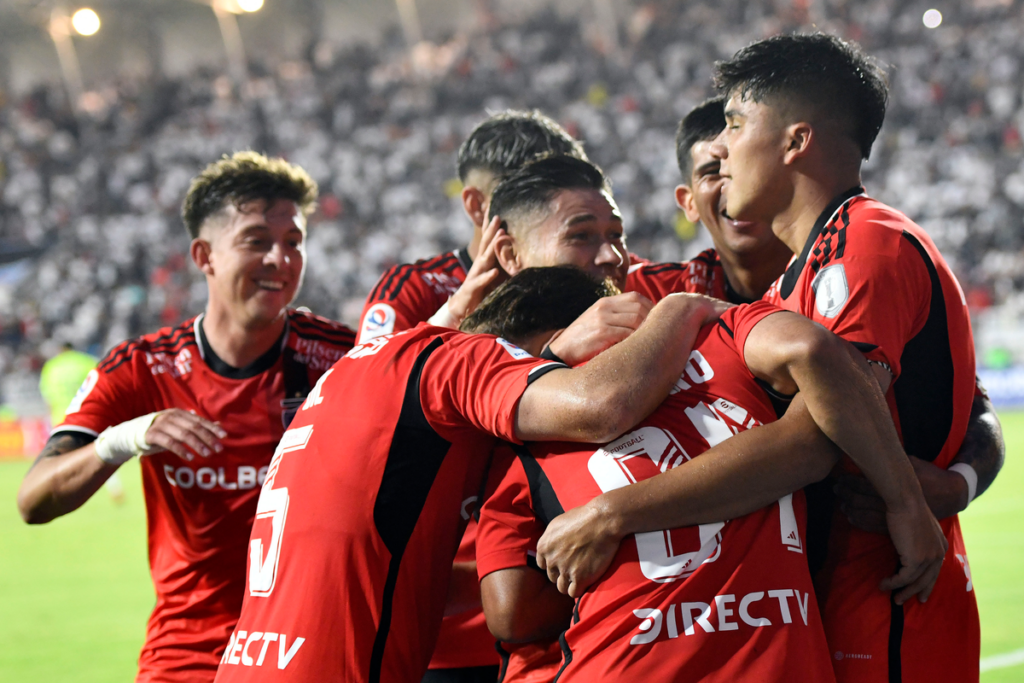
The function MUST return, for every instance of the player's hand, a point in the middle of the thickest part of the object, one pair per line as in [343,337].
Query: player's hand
[604,324]
[483,276]
[945,492]
[183,433]
[577,548]
[921,546]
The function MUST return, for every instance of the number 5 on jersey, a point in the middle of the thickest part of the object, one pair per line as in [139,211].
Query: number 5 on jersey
[273,504]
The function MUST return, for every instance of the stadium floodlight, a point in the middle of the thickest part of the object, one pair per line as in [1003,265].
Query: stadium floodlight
[85,21]
[250,5]
[932,18]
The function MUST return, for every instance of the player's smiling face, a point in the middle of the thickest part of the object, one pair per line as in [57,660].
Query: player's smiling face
[702,199]
[580,228]
[751,150]
[257,257]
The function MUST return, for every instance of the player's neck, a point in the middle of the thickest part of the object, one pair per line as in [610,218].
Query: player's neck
[750,275]
[811,194]
[238,344]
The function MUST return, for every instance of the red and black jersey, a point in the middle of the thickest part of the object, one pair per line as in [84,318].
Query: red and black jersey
[364,505]
[199,513]
[722,602]
[872,276]
[410,293]
[701,275]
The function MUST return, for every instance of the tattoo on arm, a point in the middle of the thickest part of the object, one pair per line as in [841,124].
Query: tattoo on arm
[64,442]
[983,447]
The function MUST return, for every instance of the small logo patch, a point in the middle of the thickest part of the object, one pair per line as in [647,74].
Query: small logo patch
[83,392]
[513,350]
[830,290]
[379,320]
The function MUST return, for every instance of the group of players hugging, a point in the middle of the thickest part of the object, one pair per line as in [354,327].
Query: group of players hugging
[545,459]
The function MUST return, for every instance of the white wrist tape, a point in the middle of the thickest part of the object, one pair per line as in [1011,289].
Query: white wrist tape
[119,444]
[968,473]
[444,318]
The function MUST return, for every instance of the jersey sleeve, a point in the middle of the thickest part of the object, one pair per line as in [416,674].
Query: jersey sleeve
[508,530]
[109,395]
[657,280]
[875,296]
[476,380]
[740,320]
[400,300]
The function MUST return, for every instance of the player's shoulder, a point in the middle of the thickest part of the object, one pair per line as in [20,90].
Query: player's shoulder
[168,341]
[870,226]
[449,265]
[310,326]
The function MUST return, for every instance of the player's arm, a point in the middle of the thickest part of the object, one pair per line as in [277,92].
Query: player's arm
[73,466]
[522,606]
[463,589]
[621,386]
[948,491]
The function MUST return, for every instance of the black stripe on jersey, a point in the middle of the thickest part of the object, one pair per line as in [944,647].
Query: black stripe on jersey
[721,323]
[657,268]
[841,237]
[415,456]
[462,254]
[384,282]
[924,389]
[542,370]
[895,639]
[303,324]
[503,655]
[792,274]
[545,502]
[564,644]
[821,503]
[407,273]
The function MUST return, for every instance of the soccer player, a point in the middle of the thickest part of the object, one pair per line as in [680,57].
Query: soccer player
[202,405]
[697,586]
[802,112]
[365,501]
[408,294]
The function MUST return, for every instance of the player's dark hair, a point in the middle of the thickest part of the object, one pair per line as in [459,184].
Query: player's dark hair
[241,178]
[831,74]
[509,139]
[704,122]
[536,300]
[532,187]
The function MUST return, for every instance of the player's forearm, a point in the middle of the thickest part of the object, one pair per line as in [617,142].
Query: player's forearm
[522,606]
[983,447]
[738,476]
[59,483]
[847,404]
[620,386]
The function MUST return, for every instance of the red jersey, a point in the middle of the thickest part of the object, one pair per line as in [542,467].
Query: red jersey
[364,504]
[720,602]
[873,277]
[702,275]
[199,513]
[410,293]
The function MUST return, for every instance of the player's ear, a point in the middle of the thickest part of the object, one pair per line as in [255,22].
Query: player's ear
[474,202]
[797,139]
[507,253]
[686,200]
[200,252]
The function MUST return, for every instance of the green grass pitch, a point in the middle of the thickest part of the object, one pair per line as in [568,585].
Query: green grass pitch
[75,594]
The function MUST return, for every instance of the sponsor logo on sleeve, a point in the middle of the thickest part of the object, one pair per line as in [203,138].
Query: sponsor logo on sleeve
[83,392]
[831,290]
[379,320]
[513,350]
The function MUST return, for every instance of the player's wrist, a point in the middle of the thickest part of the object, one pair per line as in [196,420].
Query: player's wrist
[608,518]
[118,444]
[967,483]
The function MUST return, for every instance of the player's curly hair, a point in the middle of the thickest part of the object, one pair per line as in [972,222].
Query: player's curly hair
[704,122]
[241,178]
[505,141]
[828,73]
[536,300]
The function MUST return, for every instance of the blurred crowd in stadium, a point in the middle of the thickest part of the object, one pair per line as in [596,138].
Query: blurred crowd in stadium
[92,201]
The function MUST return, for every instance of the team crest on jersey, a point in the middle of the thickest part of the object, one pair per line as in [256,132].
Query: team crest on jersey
[831,290]
[83,392]
[513,350]
[379,320]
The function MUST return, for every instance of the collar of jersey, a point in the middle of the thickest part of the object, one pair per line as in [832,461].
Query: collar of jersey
[462,254]
[792,273]
[220,367]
